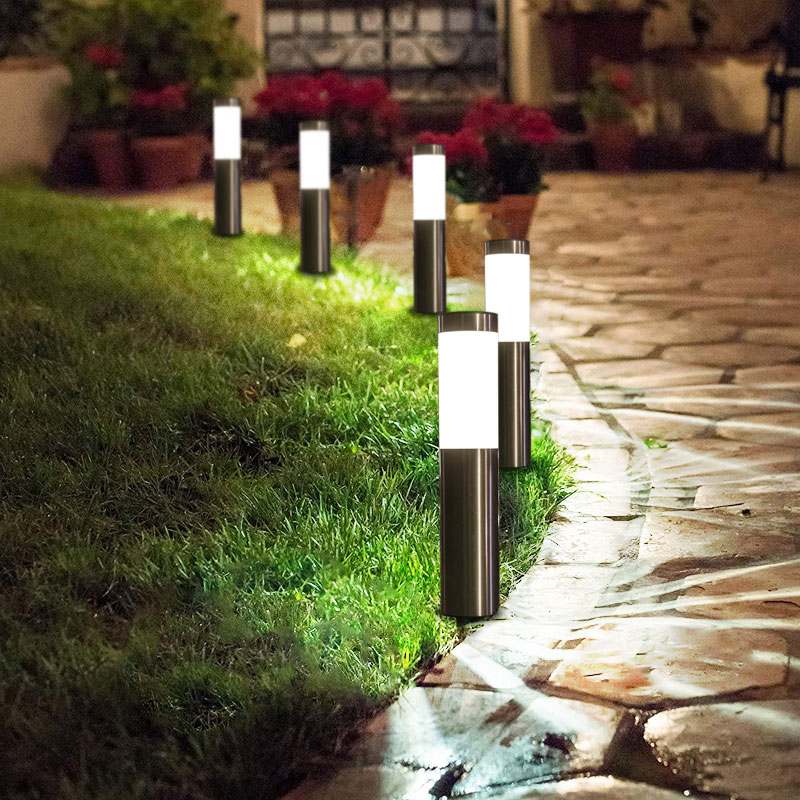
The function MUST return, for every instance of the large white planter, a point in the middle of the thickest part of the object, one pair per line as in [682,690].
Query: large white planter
[34,115]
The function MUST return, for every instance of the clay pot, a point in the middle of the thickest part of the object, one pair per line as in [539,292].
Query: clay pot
[613,145]
[160,160]
[469,225]
[108,150]
[358,200]
[286,189]
[194,153]
[515,211]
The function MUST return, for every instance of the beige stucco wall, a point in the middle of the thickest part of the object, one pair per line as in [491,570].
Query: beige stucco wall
[250,27]
[34,114]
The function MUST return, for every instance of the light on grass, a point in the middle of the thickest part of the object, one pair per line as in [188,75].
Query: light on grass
[228,167]
[508,293]
[428,172]
[315,182]
[468,463]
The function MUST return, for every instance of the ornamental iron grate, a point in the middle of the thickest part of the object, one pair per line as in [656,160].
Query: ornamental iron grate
[450,50]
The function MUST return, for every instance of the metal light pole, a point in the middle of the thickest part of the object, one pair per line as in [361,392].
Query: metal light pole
[315,183]
[508,292]
[468,464]
[428,172]
[228,167]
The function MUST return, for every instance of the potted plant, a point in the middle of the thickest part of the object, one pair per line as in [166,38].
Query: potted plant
[160,121]
[577,32]
[472,194]
[608,110]
[182,54]
[515,137]
[88,42]
[363,119]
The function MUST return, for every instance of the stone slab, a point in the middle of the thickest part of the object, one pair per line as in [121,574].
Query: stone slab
[785,336]
[702,534]
[645,660]
[720,401]
[595,348]
[708,461]
[747,750]
[646,373]
[661,425]
[730,354]
[779,377]
[673,331]
[782,429]
[597,787]
[749,315]
[584,433]
[497,738]
[373,782]
[595,540]
[754,591]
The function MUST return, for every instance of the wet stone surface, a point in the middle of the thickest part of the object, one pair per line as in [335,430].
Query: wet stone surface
[746,750]
[669,364]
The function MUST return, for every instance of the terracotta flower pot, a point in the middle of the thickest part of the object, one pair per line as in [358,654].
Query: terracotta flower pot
[469,225]
[161,161]
[108,150]
[358,200]
[194,153]
[613,145]
[515,211]
[286,189]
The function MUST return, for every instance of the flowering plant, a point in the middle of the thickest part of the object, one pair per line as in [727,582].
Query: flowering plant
[149,61]
[515,137]
[612,97]
[361,114]
[468,177]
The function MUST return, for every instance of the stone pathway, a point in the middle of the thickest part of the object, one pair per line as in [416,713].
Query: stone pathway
[653,651]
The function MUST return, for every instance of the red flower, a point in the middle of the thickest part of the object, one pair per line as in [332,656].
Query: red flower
[621,80]
[536,127]
[367,94]
[170,98]
[103,57]
[390,112]
[301,95]
[461,147]
[487,115]
[466,145]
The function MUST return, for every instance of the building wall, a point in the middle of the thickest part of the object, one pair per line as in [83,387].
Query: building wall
[250,27]
[34,115]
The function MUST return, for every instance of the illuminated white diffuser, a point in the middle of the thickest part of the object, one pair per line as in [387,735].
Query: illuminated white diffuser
[227,167]
[315,182]
[468,463]
[508,292]
[428,173]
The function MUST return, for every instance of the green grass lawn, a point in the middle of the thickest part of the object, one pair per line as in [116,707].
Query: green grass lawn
[219,508]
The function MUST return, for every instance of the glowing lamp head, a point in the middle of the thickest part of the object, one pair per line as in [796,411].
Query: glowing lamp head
[228,129]
[315,155]
[508,287]
[428,173]
[468,380]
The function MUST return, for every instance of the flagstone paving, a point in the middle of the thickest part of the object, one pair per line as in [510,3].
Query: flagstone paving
[653,651]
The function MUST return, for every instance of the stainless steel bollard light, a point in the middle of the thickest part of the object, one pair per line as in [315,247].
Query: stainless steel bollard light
[468,464]
[228,167]
[508,293]
[428,173]
[315,184]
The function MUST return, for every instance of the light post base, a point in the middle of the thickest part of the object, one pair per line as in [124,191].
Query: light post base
[228,197]
[430,275]
[468,529]
[315,237]
[515,404]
